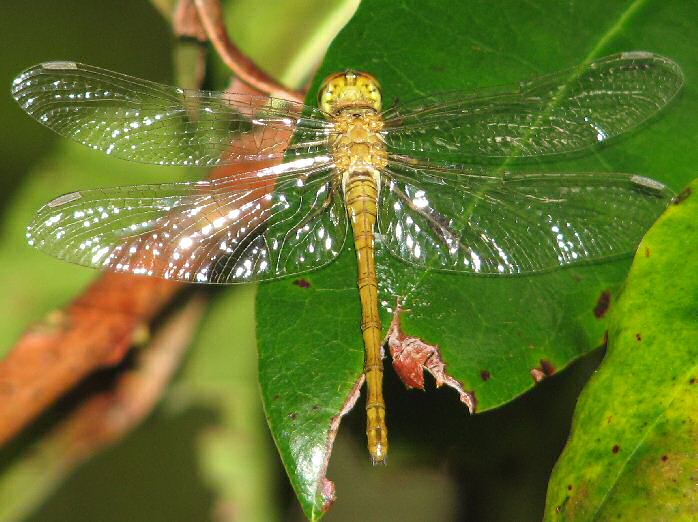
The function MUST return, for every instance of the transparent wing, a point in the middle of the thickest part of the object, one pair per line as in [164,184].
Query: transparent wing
[474,221]
[560,113]
[258,226]
[147,122]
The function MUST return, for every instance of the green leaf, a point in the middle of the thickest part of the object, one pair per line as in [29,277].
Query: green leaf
[493,333]
[632,453]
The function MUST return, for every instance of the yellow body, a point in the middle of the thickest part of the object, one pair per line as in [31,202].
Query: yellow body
[353,101]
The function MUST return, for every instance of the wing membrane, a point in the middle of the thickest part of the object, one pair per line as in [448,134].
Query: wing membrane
[474,221]
[560,113]
[259,226]
[147,122]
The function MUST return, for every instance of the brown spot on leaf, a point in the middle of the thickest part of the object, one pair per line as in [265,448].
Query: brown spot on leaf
[647,251]
[616,448]
[602,304]
[327,491]
[609,419]
[276,397]
[569,487]
[302,283]
[485,375]
[411,356]
[537,374]
[638,337]
[682,196]
[576,501]
[692,380]
[546,369]
[665,458]
[293,416]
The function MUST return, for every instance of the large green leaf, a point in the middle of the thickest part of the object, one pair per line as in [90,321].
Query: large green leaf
[633,453]
[494,333]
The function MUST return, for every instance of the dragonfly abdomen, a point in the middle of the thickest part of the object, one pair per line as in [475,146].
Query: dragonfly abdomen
[361,198]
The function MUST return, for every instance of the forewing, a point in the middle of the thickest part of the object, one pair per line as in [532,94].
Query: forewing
[148,122]
[253,227]
[471,221]
[564,112]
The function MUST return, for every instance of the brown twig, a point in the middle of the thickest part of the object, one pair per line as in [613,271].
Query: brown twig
[190,46]
[95,331]
[107,416]
[103,417]
[186,22]
[211,16]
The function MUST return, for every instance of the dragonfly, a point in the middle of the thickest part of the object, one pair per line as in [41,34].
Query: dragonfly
[418,180]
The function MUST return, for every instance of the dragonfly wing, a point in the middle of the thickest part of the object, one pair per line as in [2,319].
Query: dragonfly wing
[478,222]
[257,226]
[560,113]
[148,122]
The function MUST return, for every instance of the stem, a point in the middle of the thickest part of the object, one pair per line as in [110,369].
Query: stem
[211,15]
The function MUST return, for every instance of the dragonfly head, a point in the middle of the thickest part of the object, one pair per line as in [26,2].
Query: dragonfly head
[349,89]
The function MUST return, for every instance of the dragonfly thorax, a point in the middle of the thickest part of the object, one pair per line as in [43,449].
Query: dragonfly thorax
[357,141]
